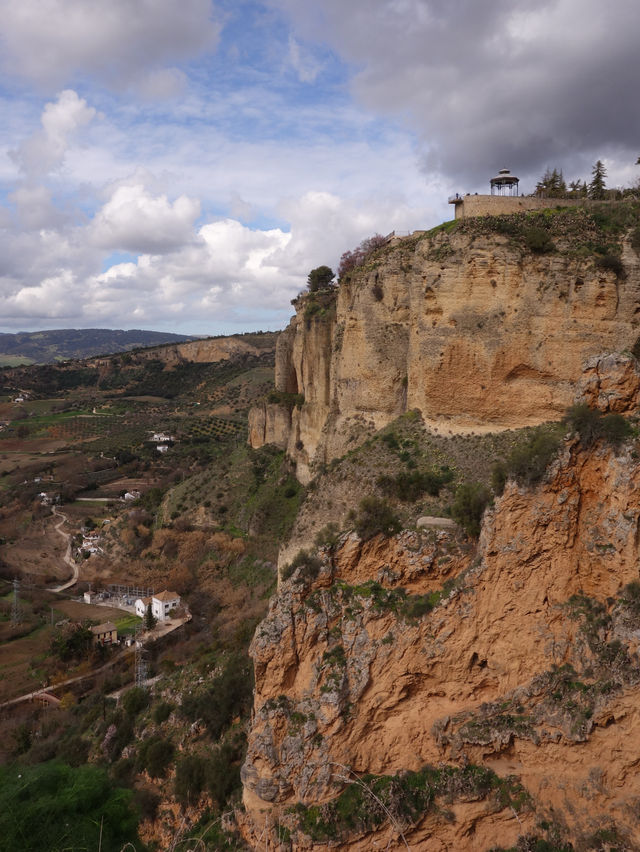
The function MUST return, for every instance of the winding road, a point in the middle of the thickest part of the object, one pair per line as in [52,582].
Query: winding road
[67,556]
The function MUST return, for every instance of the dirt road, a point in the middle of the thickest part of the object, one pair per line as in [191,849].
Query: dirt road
[67,556]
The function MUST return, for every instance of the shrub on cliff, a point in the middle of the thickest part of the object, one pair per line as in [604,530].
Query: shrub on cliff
[287,400]
[309,567]
[351,259]
[612,263]
[228,695]
[592,425]
[538,240]
[375,516]
[528,463]
[468,507]
[409,486]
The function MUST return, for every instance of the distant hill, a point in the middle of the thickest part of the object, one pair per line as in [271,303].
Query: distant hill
[46,347]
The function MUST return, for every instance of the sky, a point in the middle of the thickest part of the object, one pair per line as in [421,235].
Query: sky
[181,165]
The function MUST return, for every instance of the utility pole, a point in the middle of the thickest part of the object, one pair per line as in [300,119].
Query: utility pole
[140,659]
[16,614]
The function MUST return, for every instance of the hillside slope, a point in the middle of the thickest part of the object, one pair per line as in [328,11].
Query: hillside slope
[44,347]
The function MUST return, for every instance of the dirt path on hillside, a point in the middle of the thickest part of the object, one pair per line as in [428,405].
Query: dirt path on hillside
[67,556]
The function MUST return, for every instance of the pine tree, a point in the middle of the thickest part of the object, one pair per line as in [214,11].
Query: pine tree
[552,185]
[320,278]
[150,620]
[597,185]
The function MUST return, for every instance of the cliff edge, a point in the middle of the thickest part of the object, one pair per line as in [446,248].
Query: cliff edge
[481,325]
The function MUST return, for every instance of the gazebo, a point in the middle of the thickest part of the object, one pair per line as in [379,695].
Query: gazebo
[504,183]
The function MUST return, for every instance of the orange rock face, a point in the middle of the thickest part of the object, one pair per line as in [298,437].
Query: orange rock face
[525,662]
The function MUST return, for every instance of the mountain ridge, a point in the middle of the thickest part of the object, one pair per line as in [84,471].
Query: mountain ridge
[51,345]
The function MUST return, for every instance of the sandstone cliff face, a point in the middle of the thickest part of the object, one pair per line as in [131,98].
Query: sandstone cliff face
[524,661]
[469,327]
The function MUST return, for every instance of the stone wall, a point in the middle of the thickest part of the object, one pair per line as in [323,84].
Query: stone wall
[494,205]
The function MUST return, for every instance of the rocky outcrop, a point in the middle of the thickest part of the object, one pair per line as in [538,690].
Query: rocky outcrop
[610,383]
[205,351]
[469,327]
[398,653]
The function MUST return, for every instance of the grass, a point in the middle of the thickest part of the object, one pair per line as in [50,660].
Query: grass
[127,624]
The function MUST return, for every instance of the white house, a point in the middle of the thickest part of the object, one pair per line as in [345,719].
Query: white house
[141,606]
[161,438]
[163,603]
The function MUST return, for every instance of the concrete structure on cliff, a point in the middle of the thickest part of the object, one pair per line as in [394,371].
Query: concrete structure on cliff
[504,198]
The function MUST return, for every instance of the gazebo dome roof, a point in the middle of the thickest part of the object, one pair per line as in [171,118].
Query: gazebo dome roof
[504,176]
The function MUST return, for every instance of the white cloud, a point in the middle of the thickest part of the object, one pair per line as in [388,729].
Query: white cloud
[133,220]
[45,149]
[120,41]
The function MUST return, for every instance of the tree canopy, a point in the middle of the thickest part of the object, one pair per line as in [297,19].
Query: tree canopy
[320,278]
[552,184]
[597,185]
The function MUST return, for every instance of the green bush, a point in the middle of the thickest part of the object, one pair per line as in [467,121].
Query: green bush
[468,507]
[229,695]
[328,536]
[155,754]
[309,567]
[376,517]
[161,712]
[218,773]
[592,425]
[287,400]
[190,778]
[612,263]
[134,701]
[410,486]
[635,240]
[527,463]
[538,240]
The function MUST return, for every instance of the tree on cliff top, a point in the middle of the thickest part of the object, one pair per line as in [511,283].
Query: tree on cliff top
[597,185]
[551,185]
[320,278]
[351,259]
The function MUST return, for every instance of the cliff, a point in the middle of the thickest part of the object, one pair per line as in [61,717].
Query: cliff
[517,662]
[427,690]
[481,326]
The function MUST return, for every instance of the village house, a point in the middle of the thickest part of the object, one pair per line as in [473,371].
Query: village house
[105,634]
[141,606]
[161,605]
[161,438]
